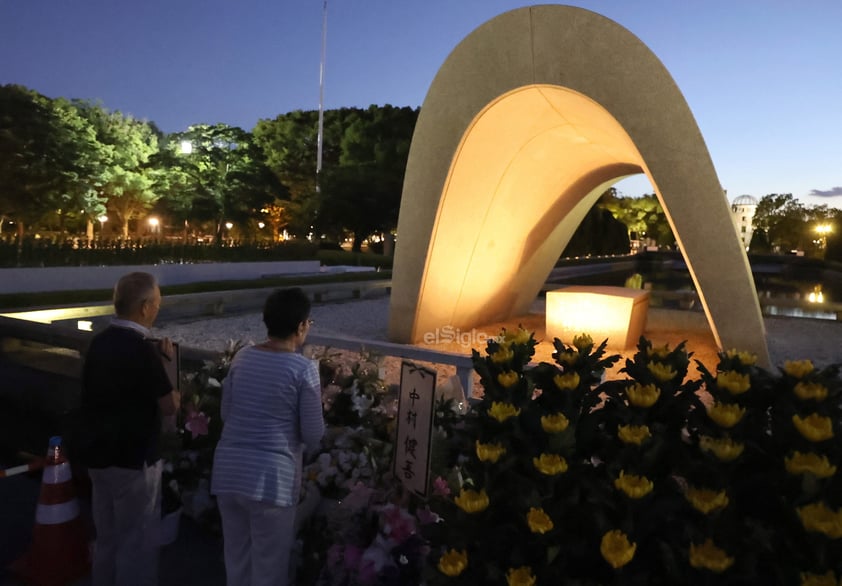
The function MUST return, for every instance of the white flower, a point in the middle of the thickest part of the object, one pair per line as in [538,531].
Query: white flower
[362,403]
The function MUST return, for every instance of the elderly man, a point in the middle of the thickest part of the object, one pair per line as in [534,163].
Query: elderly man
[125,393]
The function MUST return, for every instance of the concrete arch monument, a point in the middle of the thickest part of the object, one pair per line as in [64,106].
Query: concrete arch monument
[529,120]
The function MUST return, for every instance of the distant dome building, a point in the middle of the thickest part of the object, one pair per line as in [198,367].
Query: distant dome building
[742,212]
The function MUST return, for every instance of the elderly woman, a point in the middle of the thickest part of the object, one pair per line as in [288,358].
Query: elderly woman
[272,409]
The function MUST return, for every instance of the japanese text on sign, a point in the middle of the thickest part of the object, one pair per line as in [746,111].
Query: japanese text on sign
[416,408]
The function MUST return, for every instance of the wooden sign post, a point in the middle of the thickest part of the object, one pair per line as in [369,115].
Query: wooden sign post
[416,409]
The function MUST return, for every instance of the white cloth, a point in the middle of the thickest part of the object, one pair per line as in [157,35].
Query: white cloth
[258,539]
[126,507]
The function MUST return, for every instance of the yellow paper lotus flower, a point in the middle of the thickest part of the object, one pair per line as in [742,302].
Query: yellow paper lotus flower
[643,395]
[814,427]
[662,372]
[726,415]
[520,577]
[798,368]
[709,557]
[453,562]
[554,423]
[538,521]
[519,336]
[633,434]
[567,357]
[489,452]
[502,411]
[635,487]
[706,500]
[502,355]
[725,449]
[818,518]
[566,382]
[616,549]
[508,378]
[733,382]
[809,463]
[582,342]
[472,501]
[806,391]
[826,579]
[550,464]
[745,358]
[659,352]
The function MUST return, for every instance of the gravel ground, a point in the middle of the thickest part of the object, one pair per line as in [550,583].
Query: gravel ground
[788,338]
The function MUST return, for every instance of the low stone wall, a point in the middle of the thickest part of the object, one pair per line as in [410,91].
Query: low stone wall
[32,280]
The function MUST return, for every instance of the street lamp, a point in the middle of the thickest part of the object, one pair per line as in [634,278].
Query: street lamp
[102,220]
[153,224]
[823,230]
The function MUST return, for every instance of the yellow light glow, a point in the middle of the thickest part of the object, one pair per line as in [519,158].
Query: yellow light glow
[615,313]
[48,316]
[514,147]
[153,221]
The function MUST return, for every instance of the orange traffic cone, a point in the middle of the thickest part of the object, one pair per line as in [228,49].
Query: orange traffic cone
[59,552]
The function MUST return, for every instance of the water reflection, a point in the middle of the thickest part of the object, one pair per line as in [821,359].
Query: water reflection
[790,295]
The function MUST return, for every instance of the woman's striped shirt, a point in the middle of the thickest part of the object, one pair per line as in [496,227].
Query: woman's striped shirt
[271,408]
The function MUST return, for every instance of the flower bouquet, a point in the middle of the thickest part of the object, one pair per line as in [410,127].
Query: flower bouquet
[188,452]
[659,478]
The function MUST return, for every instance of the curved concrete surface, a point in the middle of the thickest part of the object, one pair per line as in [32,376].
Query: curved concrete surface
[528,121]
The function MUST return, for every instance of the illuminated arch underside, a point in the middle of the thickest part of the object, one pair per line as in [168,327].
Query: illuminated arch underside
[529,120]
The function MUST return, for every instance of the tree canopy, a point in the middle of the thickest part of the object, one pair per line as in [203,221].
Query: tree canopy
[48,157]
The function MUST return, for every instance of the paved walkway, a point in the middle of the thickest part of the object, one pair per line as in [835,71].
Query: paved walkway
[195,558]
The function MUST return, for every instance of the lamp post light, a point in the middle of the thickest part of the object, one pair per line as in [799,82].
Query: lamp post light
[102,220]
[822,230]
[154,225]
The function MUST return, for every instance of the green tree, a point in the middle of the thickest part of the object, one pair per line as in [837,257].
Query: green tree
[364,159]
[783,221]
[642,215]
[362,194]
[289,141]
[48,156]
[125,178]
[600,233]
[225,173]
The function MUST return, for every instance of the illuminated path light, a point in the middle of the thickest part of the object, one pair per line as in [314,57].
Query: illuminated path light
[530,119]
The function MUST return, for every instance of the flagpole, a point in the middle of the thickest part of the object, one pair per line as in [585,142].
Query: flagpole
[320,136]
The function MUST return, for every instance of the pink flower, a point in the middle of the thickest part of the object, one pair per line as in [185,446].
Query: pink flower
[398,524]
[426,516]
[353,555]
[440,487]
[197,423]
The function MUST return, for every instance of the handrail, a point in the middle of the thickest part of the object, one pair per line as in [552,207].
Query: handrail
[65,337]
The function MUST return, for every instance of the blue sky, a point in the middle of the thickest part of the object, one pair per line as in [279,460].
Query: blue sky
[762,77]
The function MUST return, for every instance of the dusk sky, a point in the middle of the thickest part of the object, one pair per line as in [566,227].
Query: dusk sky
[762,77]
